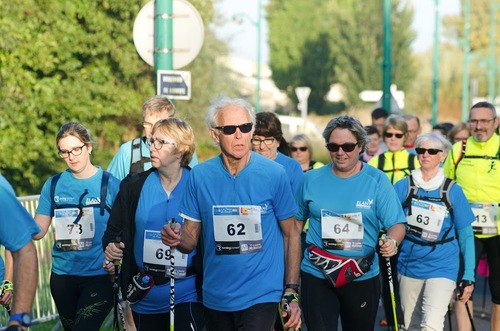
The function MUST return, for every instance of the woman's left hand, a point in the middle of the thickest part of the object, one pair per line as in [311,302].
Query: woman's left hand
[388,246]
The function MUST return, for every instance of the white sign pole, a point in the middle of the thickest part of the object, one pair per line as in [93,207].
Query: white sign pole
[303,93]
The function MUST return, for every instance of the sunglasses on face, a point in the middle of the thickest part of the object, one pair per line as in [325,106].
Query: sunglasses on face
[347,147]
[389,135]
[302,149]
[431,151]
[231,129]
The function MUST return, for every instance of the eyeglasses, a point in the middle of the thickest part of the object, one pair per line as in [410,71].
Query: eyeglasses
[347,147]
[231,129]
[389,135]
[482,121]
[75,151]
[158,143]
[431,151]
[302,149]
[266,141]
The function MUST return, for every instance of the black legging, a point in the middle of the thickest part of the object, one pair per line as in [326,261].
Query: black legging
[188,316]
[83,302]
[356,303]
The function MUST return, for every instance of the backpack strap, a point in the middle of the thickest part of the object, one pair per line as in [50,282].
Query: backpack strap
[104,192]
[381,161]
[462,153]
[411,161]
[412,193]
[53,184]
[137,160]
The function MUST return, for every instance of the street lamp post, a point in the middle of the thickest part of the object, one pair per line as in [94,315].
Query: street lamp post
[435,79]
[492,64]
[466,48]
[258,25]
[387,65]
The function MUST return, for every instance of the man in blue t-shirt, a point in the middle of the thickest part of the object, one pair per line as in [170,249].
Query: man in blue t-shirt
[242,206]
[133,156]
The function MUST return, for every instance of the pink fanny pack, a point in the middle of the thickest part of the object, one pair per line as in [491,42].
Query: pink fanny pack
[340,270]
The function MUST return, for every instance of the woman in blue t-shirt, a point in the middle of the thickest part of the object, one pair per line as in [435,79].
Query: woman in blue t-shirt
[146,202]
[77,203]
[439,236]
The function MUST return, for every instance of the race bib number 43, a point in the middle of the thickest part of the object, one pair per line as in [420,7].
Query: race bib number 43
[237,229]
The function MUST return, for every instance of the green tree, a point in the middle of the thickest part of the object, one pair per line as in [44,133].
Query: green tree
[75,61]
[344,41]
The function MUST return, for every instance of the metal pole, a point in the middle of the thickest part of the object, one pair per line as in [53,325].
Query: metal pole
[386,67]
[466,49]
[491,64]
[259,33]
[164,44]
[435,73]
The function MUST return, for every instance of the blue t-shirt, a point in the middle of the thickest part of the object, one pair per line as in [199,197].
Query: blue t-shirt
[6,185]
[120,164]
[438,261]
[17,226]
[368,192]
[69,191]
[292,168]
[154,210]
[235,282]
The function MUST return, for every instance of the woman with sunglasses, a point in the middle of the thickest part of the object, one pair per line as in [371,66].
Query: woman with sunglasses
[396,162]
[302,151]
[146,202]
[347,202]
[439,236]
[268,141]
[78,202]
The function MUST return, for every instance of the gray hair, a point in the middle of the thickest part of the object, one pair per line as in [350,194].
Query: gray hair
[222,102]
[436,140]
[157,105]
[350,123]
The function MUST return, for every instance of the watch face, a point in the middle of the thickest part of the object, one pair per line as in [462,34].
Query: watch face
[26,319]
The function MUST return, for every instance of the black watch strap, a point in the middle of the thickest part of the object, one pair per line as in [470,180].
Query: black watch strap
[294,287]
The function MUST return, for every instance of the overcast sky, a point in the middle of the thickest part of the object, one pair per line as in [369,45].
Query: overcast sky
[243,37]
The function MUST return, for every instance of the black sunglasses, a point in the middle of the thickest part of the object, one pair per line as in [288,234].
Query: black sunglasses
[230,129]
[302,149]
[347,147]
[389,135]
[431,151]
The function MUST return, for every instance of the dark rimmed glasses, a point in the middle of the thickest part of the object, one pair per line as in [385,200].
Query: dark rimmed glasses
[75,151]
[302,148]
[389,135]
[431,151]
[231,129]
[347,147]
[482,121]
[158,143]
[266,141]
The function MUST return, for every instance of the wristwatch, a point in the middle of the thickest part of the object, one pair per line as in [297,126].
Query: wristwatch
[23,319]
[294,287]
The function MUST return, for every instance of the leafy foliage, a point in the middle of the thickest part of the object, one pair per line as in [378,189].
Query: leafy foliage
[317,43]
[75,60]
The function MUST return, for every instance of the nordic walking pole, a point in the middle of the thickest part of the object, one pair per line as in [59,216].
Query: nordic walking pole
[172,281]
[391,288]
[117,309]
[470,316]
